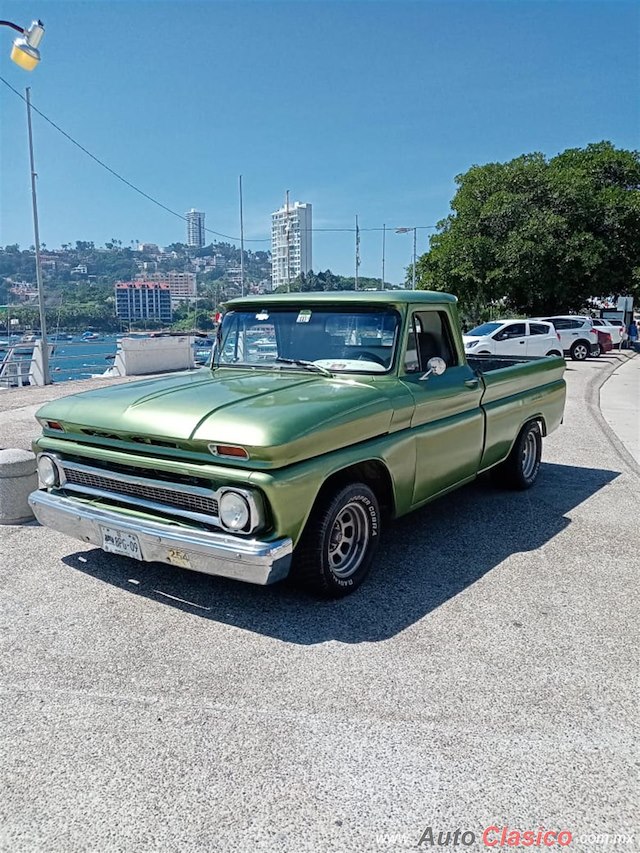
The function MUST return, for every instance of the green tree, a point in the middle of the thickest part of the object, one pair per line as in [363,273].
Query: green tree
[539,236]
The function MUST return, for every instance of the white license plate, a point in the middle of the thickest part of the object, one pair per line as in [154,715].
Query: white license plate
[118,542]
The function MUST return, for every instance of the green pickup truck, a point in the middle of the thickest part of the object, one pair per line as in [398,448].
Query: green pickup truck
[321,416]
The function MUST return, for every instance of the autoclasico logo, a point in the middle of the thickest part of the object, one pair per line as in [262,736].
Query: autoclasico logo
[497,836]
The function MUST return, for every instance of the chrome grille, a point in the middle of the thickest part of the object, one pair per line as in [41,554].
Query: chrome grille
[145,491]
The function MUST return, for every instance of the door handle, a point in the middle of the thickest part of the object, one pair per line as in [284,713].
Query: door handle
[521,343]
[471,383]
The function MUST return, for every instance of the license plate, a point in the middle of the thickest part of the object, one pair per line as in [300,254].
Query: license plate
[118,542]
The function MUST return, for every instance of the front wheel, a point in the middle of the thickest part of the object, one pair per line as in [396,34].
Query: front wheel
[520,468]
[337,547]
[579,351]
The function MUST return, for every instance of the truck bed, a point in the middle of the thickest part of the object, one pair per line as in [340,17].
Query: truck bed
[516,390]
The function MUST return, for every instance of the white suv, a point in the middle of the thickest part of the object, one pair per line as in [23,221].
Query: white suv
[616,331]
[513,337]
[578,336]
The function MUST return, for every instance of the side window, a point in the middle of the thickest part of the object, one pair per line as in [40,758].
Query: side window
[430,336]
[560,323]
[575,324]
[539,329]
[513,330]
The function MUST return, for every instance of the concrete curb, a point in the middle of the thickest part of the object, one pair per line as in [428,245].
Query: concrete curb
[18,478]
[592,395]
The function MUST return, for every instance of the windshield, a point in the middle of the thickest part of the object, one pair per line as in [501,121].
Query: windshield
[318,339]
[484,329]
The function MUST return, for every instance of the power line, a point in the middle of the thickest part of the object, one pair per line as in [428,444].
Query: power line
[164,206]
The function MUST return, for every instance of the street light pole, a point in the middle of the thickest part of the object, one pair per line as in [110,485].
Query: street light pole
[413,268]
[241,242]
[36,235]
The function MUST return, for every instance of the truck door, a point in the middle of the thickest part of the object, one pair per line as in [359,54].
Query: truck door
[448,423]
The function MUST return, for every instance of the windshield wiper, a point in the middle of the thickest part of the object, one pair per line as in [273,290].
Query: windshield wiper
[309,365]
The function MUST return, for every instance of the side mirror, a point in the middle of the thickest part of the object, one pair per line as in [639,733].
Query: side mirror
[435,365]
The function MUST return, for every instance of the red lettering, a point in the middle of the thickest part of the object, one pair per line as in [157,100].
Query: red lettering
[539,836]
[548,835]
[485,836]
[567,835]
[503,837]
[513,839]
[527,838]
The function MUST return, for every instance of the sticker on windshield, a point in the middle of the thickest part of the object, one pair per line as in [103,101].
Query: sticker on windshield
[262,315]
[304,316]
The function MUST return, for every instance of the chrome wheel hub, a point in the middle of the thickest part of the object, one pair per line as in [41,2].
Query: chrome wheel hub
[348,540]
[529,455]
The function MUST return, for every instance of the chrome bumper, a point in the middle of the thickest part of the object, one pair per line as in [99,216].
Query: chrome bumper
[203,551]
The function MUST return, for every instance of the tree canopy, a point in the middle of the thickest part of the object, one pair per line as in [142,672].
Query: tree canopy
[538,235]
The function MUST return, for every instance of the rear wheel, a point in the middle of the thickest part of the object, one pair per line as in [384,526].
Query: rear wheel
[579,351]
[337,547]
[520,468]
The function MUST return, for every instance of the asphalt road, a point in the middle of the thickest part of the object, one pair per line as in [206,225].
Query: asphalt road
[485,675]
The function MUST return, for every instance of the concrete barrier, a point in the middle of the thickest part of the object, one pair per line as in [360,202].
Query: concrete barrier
[143,356]
[18,478]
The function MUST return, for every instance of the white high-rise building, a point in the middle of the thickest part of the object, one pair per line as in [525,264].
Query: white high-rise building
[290,243]
[195,229]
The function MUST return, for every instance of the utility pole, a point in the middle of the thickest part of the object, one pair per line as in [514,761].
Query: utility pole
[384,237]
[357,251]
[413,274]
[241,243]
[36,236]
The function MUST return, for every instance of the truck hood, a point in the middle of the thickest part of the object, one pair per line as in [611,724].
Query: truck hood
[279,417]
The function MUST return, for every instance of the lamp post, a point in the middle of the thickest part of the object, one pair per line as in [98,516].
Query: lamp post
[25,51]
[413,269]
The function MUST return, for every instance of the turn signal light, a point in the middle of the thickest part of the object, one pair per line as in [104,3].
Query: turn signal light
[55,425]
[229,450]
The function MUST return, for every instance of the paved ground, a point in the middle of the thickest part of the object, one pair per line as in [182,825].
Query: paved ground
[487,674]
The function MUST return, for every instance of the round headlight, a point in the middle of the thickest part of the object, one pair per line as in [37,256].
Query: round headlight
[47,471]
[234,511]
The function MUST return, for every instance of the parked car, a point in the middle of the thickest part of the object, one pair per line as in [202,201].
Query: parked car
[256,468]
[578,336]
[604,341]
[616,331]
[513,337]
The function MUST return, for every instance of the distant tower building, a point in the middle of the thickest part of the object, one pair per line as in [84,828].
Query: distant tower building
[195,229]
[290,243]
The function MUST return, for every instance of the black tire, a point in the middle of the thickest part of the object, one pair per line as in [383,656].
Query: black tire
[337,547]
[579,350]
[520,468]
[554,352]
[597,352]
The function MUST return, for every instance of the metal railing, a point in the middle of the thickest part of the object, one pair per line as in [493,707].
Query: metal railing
[22,363]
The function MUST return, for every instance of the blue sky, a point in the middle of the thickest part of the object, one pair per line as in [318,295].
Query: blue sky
[367,108]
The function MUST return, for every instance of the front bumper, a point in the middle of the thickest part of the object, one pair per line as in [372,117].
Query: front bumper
[201,550]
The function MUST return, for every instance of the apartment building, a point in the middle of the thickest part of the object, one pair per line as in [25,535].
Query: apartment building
[143,300]
[195,229]
[290,243]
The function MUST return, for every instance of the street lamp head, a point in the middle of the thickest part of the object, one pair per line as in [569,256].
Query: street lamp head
[25,51]
[403,230]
